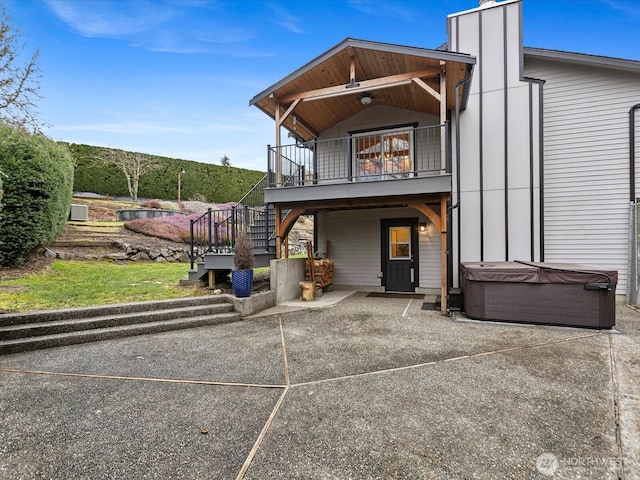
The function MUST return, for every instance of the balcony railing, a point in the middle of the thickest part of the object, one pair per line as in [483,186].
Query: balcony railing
[372,156]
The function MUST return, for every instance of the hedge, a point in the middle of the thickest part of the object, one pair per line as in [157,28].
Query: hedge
[201,181]
[38,186]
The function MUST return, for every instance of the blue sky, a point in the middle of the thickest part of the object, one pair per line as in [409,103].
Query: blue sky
[174,77]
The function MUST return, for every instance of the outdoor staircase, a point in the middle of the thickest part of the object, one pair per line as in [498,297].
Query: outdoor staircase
[56,328]
[213,235]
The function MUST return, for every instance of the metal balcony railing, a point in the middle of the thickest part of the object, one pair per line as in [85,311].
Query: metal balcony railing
[371,156]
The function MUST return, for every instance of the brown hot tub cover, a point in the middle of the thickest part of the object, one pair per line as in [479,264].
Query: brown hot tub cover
[550,293]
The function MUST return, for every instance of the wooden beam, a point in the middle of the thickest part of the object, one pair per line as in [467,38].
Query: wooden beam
[352,69]
[429,213]
[364,202]
[365,85]
[430,90]
[278,144]
[288,220]
[288,111]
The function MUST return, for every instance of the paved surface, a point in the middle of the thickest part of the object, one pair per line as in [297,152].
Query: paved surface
[368,388]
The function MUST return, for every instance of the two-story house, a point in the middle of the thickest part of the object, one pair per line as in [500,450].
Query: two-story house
[414,160]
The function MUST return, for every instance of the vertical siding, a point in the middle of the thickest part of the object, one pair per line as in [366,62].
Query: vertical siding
[356,242]
[586,163]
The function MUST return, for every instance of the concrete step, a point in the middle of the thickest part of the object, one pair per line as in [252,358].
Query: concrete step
[77,324]
[55,328]
[113,309]
[86,336]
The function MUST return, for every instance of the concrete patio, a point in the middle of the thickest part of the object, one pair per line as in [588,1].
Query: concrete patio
[354,387]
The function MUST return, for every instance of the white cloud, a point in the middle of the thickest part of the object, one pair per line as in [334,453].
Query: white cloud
[631,9]
[284,19]
[109,19]
[382,8]
[160,26]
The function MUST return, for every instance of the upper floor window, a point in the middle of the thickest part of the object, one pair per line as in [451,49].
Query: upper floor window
[383,155]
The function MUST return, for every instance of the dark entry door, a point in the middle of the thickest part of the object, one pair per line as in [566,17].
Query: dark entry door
[399,251]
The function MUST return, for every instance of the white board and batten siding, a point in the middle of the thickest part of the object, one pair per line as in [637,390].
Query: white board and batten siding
[586,163]
[355,240]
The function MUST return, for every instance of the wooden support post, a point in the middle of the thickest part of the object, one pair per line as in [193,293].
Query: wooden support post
[444,197]
[443,116]
[212,279]
[278,147]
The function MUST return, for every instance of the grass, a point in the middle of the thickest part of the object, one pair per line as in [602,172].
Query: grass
[69,284]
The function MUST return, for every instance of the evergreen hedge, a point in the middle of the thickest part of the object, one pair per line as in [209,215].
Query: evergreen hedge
[37,190]
[202,181]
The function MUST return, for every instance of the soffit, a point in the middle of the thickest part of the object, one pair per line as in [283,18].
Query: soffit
[377,69]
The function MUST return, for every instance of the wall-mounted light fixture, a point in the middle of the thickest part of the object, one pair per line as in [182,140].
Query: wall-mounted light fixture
[366,99]
[423,227]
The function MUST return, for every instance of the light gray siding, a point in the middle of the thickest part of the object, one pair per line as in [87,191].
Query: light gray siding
[355,239]
[586,163]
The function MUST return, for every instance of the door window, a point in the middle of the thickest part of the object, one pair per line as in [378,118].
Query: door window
[399,243]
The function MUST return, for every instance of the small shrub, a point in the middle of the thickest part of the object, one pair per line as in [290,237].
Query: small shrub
[169,206]
[151,204]
[243,252]
[198,197]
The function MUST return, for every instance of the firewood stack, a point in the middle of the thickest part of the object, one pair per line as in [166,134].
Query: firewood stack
[322,269]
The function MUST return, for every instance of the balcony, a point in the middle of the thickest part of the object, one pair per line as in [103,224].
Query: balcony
[400,161]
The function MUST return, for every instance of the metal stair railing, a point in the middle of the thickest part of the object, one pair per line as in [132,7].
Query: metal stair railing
[216,230]
[255,196]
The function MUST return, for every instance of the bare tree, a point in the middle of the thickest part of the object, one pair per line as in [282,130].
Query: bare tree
[133,165]
[19,83]
[226,161]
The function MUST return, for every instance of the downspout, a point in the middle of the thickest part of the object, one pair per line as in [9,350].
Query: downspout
[632,289]
[465,80]
[632,152]
[540,84]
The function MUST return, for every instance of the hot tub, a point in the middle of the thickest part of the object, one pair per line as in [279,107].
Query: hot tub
[546,293]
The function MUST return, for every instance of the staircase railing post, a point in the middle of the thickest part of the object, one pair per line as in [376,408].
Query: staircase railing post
[191,245]
[269,167]
[209,229]
[234,220]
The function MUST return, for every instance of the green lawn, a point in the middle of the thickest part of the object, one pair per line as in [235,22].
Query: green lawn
[76,284]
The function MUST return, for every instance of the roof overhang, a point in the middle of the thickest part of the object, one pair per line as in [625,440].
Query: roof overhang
[583,59]
[328,89]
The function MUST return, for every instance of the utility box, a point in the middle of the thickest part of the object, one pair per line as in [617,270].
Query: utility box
[79,213]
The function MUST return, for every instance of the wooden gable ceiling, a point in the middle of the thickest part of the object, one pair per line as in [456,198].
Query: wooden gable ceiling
[327,90]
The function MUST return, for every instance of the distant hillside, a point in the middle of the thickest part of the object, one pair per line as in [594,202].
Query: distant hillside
[201,181]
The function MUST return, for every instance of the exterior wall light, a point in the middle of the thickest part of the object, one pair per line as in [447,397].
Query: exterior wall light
[423,227]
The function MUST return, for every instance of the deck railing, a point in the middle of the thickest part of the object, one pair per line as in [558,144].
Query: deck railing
[394,154]
[215,231]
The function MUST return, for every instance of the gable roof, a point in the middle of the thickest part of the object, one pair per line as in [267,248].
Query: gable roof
[381,69]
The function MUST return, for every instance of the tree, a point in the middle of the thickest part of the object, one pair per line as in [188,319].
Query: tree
[133,165]
[226,161]
[19,83]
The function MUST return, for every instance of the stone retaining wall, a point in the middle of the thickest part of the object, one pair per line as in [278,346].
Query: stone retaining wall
[126,251]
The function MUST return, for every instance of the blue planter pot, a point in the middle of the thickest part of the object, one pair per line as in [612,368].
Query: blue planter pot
[242,282]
